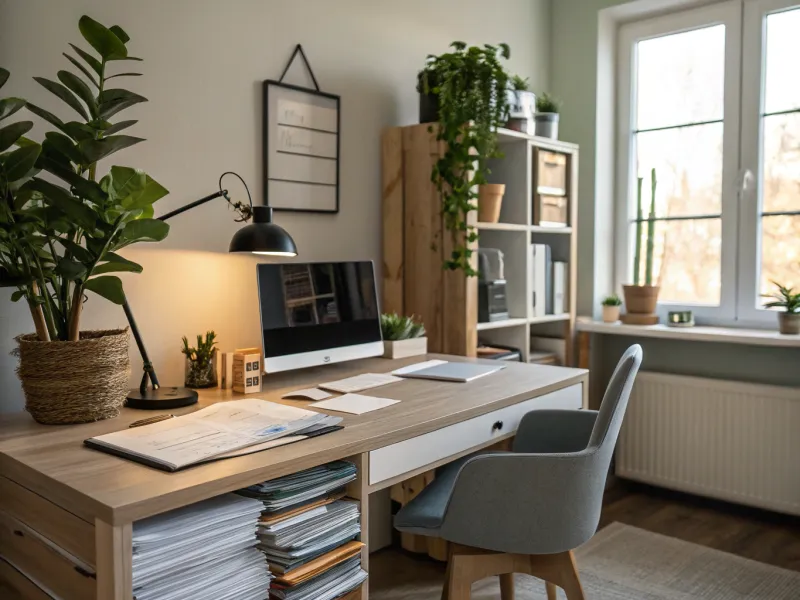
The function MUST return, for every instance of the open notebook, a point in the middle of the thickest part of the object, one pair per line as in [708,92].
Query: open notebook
[224,430]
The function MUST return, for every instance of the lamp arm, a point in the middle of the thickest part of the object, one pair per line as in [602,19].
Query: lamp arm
[191,205]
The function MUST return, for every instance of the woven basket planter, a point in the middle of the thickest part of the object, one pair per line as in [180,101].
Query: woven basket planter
[74,382]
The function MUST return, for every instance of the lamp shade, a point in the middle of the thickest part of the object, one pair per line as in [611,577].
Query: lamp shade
[262,236]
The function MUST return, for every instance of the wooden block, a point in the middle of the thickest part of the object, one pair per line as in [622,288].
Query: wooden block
[247,371]
[638,319]
[392,203]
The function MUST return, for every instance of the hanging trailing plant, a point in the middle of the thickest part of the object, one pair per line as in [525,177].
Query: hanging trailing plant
[470,86]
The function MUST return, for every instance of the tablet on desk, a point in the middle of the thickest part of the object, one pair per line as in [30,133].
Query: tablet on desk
[455,371]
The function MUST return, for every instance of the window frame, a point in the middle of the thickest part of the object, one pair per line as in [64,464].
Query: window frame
[728,13]
[754,26]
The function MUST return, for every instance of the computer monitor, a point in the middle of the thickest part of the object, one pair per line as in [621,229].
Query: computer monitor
[318,313]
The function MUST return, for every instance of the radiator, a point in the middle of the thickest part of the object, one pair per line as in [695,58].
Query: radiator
[734,441]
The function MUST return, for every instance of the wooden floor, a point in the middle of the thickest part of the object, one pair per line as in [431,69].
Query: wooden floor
[757,535]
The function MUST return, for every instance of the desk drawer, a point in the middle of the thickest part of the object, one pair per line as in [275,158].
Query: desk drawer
[409,455]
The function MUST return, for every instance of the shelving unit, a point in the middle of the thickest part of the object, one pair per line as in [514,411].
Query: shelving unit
[416,242]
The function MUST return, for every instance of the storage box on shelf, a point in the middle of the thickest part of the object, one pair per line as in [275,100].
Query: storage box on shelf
[414,282]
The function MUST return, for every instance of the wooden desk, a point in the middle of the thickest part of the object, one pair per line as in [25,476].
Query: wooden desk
[66,511]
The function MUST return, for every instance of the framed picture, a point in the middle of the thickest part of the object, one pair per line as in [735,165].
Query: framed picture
[301,148]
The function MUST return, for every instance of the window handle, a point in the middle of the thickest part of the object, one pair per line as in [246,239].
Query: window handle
[747,181]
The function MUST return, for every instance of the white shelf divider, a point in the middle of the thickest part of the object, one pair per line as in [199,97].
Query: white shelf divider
[513,322]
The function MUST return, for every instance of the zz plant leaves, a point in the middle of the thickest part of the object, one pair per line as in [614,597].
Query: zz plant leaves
[60,233]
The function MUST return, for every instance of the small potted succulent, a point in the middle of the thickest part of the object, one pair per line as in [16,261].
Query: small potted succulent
[521,105]
[789,301]
[402,336]
[201,362]
[611,306]
[546,117]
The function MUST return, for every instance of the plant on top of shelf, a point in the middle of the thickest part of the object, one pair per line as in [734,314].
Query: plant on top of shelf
[395,328]
[200,368]
[788,300]
[521,105]
[611,306]
[612,300]
[469,85]
[641,298]
[545,103]
[547,117]
[519,84]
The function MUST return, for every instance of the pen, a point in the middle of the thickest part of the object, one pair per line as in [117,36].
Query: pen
[151,420]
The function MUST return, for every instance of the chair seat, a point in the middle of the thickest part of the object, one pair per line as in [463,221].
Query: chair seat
[425,513]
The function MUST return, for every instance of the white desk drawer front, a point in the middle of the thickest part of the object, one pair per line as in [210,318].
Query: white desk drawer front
[408,455]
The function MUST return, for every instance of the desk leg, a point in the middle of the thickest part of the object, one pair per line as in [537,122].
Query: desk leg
[114,561]
[358,491]
[584,349]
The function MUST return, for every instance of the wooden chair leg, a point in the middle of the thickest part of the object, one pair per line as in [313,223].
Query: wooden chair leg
[570,580]
[446,586]
[507,586]
[552,590]
[459,580]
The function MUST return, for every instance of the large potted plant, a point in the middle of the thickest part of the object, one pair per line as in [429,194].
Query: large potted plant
[786,299]
[641,299]
[63,226]
[468,87]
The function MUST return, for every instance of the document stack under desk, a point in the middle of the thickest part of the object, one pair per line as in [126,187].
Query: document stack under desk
[308,532]
[205,551]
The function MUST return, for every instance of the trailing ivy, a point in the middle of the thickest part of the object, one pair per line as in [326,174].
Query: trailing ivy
[470,84]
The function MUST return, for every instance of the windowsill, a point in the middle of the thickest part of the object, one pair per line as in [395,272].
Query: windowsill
[724,335]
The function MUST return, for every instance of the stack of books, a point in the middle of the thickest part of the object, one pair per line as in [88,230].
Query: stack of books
[308,532]
[205,551]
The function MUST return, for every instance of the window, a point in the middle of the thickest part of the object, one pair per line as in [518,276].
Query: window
[708,99]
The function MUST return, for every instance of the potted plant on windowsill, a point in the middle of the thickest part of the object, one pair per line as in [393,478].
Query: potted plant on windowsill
[402,336]
[547,116]
[468,87]
[789,301]
[611,306]
[641,299]
[62,228]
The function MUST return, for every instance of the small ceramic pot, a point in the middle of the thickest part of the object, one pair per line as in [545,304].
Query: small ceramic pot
[546,125]
[490,200]
[405,348]
[789,323]
[610,314]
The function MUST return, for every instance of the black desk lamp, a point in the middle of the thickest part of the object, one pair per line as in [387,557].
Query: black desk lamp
[262,236]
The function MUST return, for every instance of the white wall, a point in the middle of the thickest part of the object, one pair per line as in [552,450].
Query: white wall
[204,63]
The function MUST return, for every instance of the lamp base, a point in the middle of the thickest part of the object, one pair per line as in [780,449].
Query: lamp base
[161,399]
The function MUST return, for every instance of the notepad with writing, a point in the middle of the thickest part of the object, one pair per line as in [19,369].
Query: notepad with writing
[223,430]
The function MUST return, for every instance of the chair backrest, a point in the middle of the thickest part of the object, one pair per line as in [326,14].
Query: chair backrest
[615,400]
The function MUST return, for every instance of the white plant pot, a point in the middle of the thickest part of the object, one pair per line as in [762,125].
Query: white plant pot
[610,314]
[547,125]
[405,348]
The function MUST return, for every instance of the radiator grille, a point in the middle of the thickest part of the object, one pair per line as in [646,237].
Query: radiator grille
[734,441]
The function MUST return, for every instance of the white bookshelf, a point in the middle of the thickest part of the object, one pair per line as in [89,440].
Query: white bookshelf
[514,234]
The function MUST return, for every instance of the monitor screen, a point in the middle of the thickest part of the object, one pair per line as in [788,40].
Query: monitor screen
[316,313]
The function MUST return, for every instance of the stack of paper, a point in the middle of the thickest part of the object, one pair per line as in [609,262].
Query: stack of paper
[205,551]
[308,533]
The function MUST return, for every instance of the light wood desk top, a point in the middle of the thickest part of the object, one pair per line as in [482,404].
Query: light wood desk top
[51,460]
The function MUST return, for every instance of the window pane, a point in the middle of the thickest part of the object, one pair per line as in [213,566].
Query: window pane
[781,176]
[688,163]
[783,49]
[680,78]
[780,252]
[686,260]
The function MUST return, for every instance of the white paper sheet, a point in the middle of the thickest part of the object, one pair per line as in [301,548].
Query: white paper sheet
[355,404]
[360,382]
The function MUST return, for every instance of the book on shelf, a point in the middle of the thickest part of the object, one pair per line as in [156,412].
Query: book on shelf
[222,430]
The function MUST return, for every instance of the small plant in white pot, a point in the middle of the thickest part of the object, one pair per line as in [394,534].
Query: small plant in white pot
[611,306]
[402,336]
[546,117]
[789,301]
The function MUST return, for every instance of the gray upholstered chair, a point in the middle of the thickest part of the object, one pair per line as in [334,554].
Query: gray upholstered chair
[524,511]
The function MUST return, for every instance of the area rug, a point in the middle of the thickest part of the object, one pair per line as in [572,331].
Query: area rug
[621,563]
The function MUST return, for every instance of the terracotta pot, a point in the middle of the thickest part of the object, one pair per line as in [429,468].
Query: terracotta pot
[641,299]
[610,314]
[789,323]
[490,199]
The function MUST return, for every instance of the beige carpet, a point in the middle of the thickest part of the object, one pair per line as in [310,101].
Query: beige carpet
[620,563]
